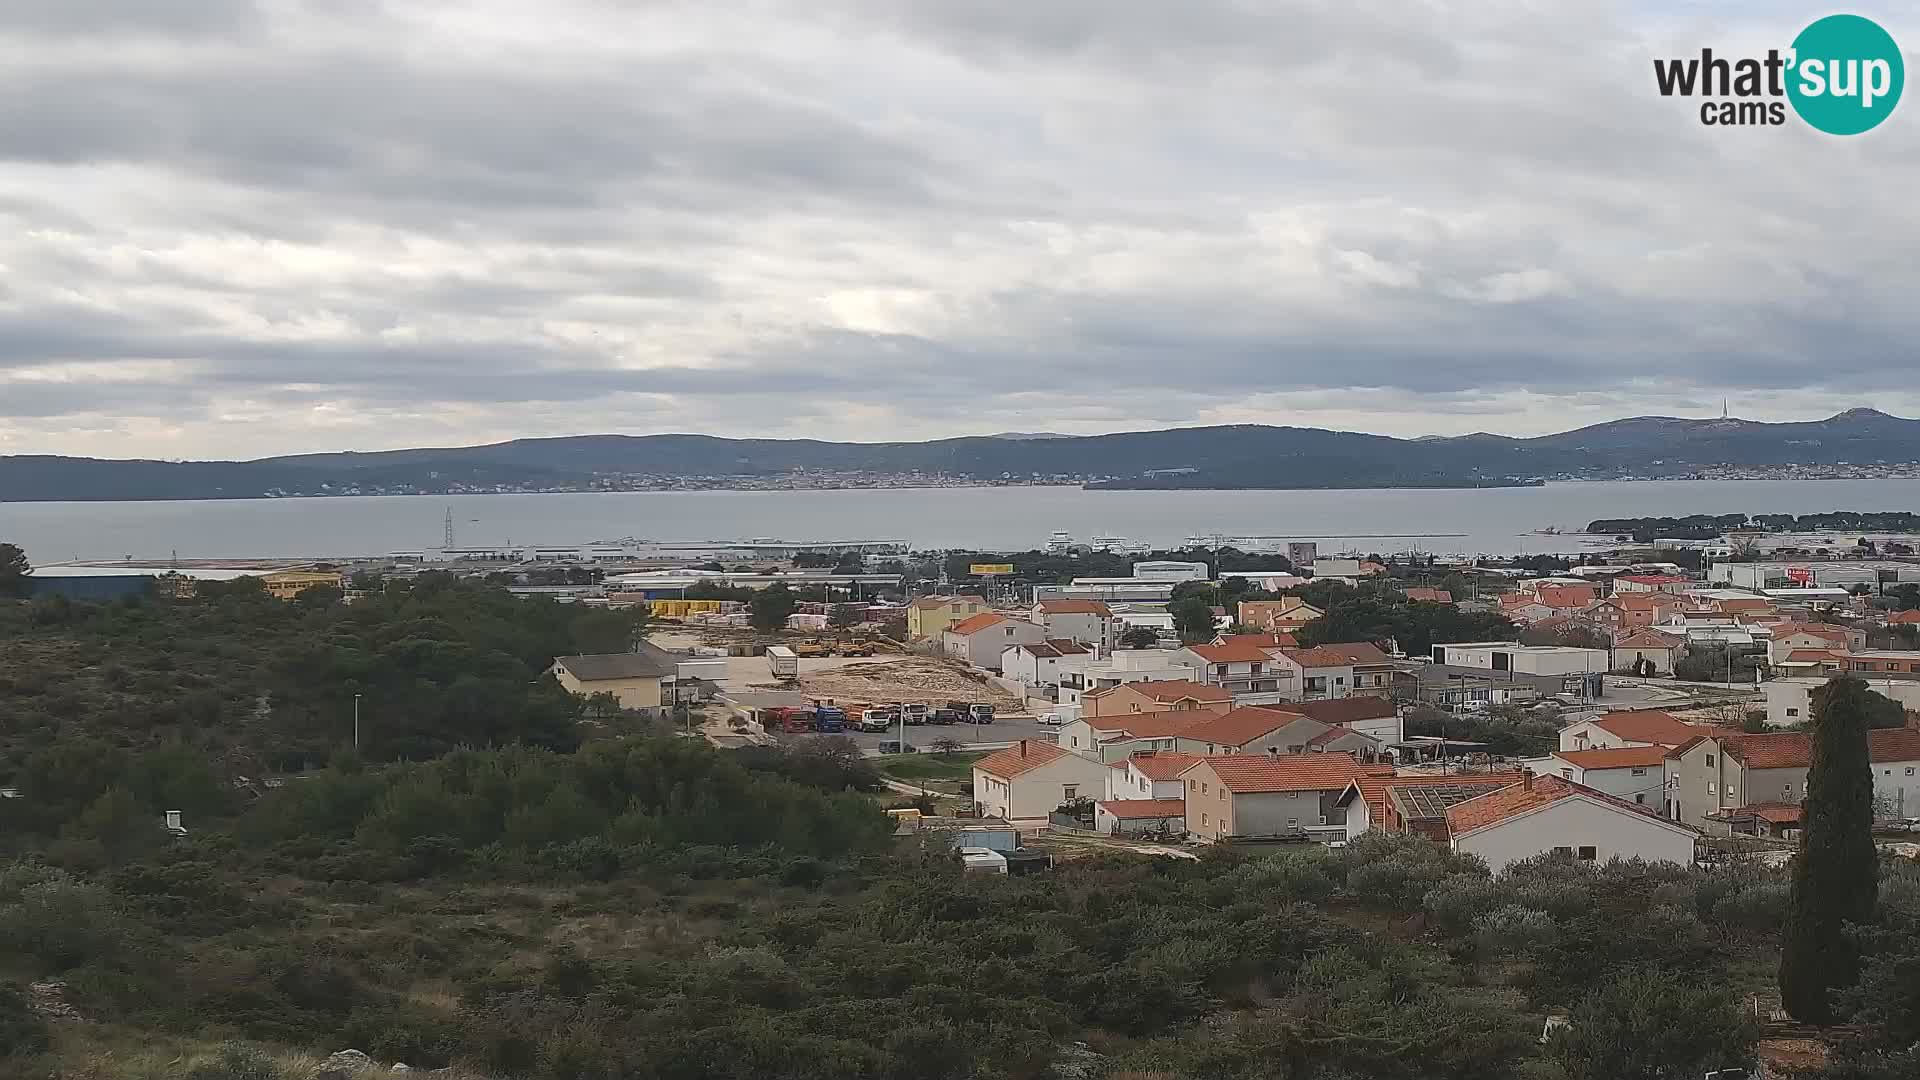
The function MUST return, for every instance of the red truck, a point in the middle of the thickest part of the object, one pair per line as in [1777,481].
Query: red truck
[790,720]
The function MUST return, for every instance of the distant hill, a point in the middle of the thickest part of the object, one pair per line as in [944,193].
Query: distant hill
[1238,456]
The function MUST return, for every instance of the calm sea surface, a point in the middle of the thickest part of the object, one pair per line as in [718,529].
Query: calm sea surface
[1492,520]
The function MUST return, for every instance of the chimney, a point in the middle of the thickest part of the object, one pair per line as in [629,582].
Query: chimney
[1526,779]
[1023,748]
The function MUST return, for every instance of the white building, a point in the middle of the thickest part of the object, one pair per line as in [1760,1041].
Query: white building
[1523,659]
[1551,814]
[1330,567]
[1089,622]
[1045,663]
[1790,701]
[1168,570]
[1151,774]
[1126,666]
[1636,774]
[1030,779]
[984,638]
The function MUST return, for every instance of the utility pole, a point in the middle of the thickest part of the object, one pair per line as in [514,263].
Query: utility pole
[356,723]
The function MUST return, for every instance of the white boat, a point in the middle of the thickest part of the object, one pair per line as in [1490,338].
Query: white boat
[1119,545]
[1060,541]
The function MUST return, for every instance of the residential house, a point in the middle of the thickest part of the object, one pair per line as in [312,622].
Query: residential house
[1647,651]
[1561,596]
[1412,802]
[1524,610]
[1369,714]
[1645,727]
[1141,817]
[1251,730]
[1420,595]
[635,679]
[1240,666]
[1790,699]
[1089,622]
[1124,666]
[1336,671]
[1459,688]
[1792,637]
[1903,618]
[1285,615]
[1030,779]
[929,616]
[1712,774]
[1524,659]
[287,584]
[1152,696]
[1883,664]
[1634,773]
[1552,814]
[1644,609]
[984,638]
[1045,663]
[1272,639]
[1115,738]
[1149,774]
[1818,664]
[1258,795]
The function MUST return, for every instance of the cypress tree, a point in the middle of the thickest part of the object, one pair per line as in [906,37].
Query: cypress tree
[1836,873]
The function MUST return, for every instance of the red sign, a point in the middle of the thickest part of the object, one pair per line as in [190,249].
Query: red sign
[1799,574]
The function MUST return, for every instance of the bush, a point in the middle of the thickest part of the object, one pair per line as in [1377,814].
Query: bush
[61,925]
[1762,908]
[236,1061]
[1458,901]
[1512,929]
[22,1033]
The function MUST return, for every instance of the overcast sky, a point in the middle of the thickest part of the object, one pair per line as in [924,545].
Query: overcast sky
[231,228]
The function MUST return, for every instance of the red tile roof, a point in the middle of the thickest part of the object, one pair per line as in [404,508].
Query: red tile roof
[1335,734]
[1374,788]
[1625,757]
[1815,656]
[1434,596]
[1647,638]
[1241,726]
[1237,650]
[1135,809]
[1075,607]
[1893,744]
[1775,813]
[1265,641]
[1344,710]
[1639,601]
[1245,774]
[1344,654]
[1161,764]
[1022,757]
[975,623]
[1516,799]
[1819,630]
[1149,725]
[1177,690]
[1901,617]
[1566,596]
[1749,605]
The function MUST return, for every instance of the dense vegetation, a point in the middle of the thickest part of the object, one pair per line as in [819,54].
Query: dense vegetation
[263,686]
[1710,526]
[1378,612]
[490,888]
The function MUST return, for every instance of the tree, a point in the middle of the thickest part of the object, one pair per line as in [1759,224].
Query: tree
[946,746]
[843,616]
[772,606]
[606,630]
[1140,637]
[1193,618]
[14,569]
[1651,1024]
[1836,874]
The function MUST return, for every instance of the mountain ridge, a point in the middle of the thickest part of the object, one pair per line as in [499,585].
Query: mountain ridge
[1220,456]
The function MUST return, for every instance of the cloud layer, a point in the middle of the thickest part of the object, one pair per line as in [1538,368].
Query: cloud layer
[240,227]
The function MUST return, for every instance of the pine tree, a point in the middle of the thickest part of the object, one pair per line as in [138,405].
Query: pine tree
[1836,874]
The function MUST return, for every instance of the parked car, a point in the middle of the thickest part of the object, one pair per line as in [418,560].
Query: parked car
[1051,719]
[894,746]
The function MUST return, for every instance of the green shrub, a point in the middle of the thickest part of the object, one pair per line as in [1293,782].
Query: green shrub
[236,1061]
[22,1032]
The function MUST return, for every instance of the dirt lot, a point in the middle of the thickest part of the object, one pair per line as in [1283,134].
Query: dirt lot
[908,679]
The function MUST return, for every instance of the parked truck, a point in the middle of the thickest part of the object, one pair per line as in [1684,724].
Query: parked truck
[829,719]
[789,720]
[783,663]
[972,712]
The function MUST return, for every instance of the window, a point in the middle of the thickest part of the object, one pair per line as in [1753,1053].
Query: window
[1709,761]
[1340,680]
[1567,772]
[1070,790]
[1192,785]
[1563,850]
[1589,853]
[1793,712]
[1909,770]
[1203,819]
[1711,790]
[1203,789]
[1640,798]
[1639,772]
[1323,819]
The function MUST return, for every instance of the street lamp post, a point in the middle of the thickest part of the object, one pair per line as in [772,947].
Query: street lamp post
[356,723]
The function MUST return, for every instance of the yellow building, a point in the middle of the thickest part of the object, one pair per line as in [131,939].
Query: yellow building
[931,616]
[637,680]
[287,584]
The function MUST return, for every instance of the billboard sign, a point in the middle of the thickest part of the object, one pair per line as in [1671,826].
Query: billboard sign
[990,569]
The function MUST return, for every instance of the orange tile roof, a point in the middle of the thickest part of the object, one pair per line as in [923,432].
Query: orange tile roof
[1135,809]
[1901,617]
[1755,604]
[1344,654]
[1374,789]
[1344,710]
[1566,596]
[1893,744]
[1815,656]
[976,623]
[1265,641]
[1179,689]
[1022,757]
[1161,764]
[1434,596]
[1235,651]
[1241,726]
[1149,725]
[1075,607]
[1638,601]
[1647,638]
[1245,774]
[1625,757]
[1775,813]
[1515,799]
[1819,630]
